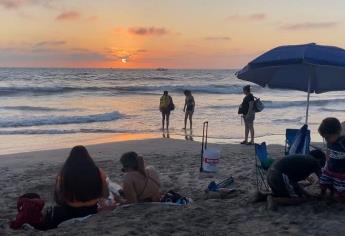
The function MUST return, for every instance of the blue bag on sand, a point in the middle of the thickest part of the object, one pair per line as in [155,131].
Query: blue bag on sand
[214,187]
[176,198]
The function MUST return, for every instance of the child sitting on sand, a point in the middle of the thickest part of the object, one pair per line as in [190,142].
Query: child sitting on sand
[333,175]
[140,183]
[284,175]
[79,186]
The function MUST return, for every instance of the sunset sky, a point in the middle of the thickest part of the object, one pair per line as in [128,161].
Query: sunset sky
[160,33]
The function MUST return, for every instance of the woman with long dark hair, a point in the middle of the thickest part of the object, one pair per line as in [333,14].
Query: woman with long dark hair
[140,183]
[79,186]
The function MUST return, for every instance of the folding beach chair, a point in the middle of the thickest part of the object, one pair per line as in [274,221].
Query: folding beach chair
[297,141]
[262,163]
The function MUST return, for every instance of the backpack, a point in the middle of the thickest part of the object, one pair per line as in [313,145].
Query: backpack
[164,102]
[258,105]
[29,208]
[174,197]
[171,104]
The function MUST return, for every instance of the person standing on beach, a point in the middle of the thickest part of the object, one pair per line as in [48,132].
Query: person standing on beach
[248,114]
[188,109]
[166,105]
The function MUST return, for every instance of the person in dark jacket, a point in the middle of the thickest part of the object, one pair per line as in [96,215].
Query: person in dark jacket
[248,113]
[284,177]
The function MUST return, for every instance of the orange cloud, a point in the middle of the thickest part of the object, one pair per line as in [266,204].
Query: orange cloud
[220,38]
[259,16]
[49,43]
[128,54]
[310,25]
[15,4]
[251,17]
[92,18]
[11,4]
[68,15]
[148,31]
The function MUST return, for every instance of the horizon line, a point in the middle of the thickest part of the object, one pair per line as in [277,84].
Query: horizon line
[114,68]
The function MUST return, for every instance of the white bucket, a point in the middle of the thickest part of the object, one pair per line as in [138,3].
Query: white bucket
[210,160]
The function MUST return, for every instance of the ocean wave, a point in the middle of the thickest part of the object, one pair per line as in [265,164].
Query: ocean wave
[288,120]
[331,109]
[33,108]
[211,89]
[57,131]
[60,120]
[70,131]
[44,91]
[316,103]
[286,104]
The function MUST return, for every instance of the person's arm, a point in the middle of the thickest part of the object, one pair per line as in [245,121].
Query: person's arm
[185,105]
[57,194]
[105,189]
[300,191]
[129,191]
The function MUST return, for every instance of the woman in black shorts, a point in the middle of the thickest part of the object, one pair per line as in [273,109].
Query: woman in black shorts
[188,109]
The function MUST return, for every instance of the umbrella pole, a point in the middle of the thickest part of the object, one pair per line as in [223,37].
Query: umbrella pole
[307,112]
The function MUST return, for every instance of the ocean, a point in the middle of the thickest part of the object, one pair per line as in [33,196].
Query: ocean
[56,108]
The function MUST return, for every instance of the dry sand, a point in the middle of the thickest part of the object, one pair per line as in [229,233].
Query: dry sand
[178,164]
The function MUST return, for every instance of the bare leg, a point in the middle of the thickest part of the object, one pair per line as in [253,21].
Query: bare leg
[251,129]
[246,131]
[191,120]
[163,120]
[185,119]
[167,119]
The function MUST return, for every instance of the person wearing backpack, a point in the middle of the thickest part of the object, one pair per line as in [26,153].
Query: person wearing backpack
[248,113]
[166,105]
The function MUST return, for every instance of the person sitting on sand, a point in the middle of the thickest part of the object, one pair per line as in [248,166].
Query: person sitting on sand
[284,174]
[140,183]
[188,109]
[333,175]
[80,185]
[166,105]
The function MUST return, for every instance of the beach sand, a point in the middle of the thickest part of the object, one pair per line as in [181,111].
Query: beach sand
[177,161]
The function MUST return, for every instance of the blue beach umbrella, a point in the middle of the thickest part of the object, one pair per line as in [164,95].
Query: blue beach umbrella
[309,67]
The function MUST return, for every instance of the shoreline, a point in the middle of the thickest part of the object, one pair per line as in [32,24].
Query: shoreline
[67,141]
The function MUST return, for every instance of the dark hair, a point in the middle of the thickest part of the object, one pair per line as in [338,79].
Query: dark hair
[133,161]
[246,88]
[80,178]
[165,92]
[330,126]
[319,156]
[187,92]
